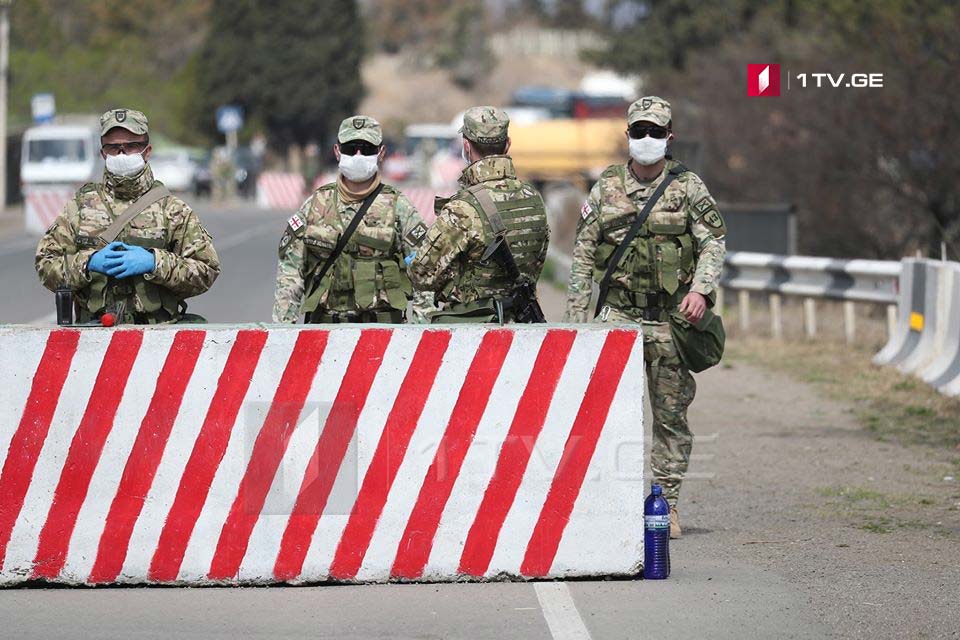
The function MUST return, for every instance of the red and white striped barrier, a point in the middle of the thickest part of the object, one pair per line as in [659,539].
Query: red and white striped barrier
[280,190]
[253,455]
[422,199]
[43,203]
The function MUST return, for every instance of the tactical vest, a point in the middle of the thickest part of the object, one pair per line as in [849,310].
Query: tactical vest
[367,270]
[659,264]
[525,220]
[159,304]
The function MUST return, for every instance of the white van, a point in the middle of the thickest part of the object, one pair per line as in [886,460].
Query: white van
[56,158]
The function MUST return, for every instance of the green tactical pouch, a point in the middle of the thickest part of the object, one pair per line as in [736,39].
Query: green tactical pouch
[397,284]
[477,312]
[700,346]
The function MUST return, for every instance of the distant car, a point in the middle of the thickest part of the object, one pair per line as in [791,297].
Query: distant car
[174,168]
[203,177]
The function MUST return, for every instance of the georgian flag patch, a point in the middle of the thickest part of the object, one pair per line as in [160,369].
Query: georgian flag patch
[295,222]
[585,210]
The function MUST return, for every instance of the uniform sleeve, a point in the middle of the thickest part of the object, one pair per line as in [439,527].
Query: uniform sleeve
[58,260]
[190,265]
[581,270]
[410,238]
[446,240]
[290,287]
[709,233]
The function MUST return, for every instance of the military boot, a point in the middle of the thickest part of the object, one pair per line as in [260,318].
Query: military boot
[675,531]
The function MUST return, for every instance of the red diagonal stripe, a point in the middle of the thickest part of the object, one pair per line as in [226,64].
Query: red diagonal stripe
[207,453]
[32,431]
[145,455]
[577,453]
[267,453]
[84,453]
[417,541]
[515,453]
[328,454]
[391,449]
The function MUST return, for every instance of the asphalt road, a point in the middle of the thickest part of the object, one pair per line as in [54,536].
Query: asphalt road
[246,239]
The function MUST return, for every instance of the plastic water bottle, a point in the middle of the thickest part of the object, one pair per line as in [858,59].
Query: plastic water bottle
[656,535]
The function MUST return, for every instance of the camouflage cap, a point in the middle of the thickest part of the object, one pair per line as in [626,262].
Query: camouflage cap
[129,119]
[486,125]
[360,128]
[649,109]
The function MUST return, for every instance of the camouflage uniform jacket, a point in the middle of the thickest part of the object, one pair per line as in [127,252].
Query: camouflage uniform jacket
[186,262]
[370,273]
[679,248]
[449,261]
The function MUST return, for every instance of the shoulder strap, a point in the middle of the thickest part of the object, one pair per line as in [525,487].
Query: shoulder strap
[155,194]
[488,208]
[674,173]
[345,237]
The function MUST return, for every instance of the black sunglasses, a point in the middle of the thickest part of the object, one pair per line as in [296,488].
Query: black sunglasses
[639,131]
[364,147]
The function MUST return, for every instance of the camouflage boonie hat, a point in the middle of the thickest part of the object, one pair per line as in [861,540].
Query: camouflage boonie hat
[360,128]
[129,119]
[486,125]
[649,109]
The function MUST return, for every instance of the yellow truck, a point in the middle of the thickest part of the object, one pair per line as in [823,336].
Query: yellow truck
[567,149]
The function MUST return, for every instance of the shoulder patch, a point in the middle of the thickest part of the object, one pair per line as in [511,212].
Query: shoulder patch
[416,235]
[704,204]
[585,210]
[295,222]
[713,219]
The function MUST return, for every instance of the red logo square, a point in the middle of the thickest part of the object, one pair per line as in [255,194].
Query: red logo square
[763,80]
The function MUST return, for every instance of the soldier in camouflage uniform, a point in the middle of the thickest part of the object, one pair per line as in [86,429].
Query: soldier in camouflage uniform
[161,256]
[449,261]
[368,281]
[673,264]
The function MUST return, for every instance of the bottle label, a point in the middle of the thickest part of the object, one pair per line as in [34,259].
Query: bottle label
[656,522]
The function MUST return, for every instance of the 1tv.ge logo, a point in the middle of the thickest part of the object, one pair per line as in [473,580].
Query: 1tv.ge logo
[763,80]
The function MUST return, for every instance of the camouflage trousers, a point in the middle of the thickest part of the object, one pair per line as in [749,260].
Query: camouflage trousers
[671,389]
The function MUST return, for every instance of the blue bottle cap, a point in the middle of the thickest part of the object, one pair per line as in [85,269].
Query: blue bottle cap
[656,490]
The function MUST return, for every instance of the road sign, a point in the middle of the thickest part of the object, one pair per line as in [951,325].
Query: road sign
[229,118]
[44,107]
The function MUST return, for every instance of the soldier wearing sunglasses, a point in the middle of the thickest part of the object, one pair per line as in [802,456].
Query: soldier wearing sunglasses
[671,265]
[344,254]
[126,245]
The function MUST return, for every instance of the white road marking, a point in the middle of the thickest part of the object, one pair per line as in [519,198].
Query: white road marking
[560,611]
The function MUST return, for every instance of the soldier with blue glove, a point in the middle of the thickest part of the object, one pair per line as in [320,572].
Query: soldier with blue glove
[126,245]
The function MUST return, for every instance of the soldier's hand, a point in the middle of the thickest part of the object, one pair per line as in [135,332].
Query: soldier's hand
[693,306]
[98,261]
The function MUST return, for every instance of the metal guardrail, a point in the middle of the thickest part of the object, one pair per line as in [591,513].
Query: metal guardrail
[853,280]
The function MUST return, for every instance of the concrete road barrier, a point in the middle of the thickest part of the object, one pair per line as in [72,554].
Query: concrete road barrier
[925,320]
[258,455]
[280,190]
[910,314]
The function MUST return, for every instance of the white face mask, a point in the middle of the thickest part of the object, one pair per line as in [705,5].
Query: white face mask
[125,165]
[358,168]
[463,154]
[648,150]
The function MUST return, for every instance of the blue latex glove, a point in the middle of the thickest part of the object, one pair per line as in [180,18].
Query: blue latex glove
[98,260]
[408,260]
[134,261]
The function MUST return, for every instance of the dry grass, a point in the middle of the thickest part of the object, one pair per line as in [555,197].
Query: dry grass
[893,406]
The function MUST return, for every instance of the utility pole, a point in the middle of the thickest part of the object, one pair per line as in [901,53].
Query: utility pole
[4,73]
